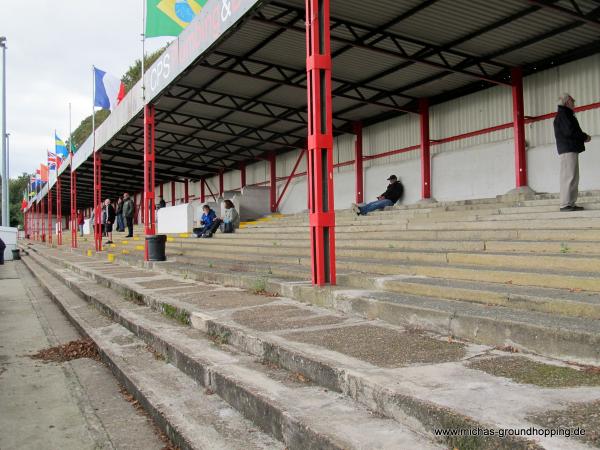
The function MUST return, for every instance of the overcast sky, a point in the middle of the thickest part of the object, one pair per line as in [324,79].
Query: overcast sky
[52,45]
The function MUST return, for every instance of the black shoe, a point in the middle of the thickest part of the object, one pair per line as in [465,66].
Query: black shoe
[129,236]
[572,208]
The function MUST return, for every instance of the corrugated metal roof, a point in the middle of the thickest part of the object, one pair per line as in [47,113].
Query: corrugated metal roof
[255,74]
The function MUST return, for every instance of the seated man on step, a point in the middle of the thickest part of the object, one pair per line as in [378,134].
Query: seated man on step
[388,198]
[206,222]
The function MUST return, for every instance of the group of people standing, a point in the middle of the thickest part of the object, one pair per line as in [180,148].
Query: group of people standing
[122,216]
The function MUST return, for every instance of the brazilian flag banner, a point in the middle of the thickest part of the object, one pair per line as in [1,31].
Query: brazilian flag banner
[170,17]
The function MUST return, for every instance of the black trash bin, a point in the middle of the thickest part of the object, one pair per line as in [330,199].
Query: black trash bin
[156,247]
[16,253]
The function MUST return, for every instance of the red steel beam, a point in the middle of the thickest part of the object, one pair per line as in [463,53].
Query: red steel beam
[59,229]
[173,199]
[97,200]
[202,190]
[74,215]
[519,127]
[320,143]
[425,149]
[358,163]
[50,231]
[186,191]
[289,179]
[149,204]
[221,183]
[273,181]
[243,175]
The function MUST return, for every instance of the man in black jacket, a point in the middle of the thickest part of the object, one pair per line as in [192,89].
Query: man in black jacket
[108,219]
[388,198]
[570,142]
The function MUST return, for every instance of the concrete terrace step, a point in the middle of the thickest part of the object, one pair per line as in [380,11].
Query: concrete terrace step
[553,334]
[552,275]
[190,417]
[367,224]
[567,302]
[393,381]
[300,414]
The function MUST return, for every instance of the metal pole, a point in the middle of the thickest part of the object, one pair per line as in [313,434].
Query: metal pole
[5,175]
[273,181]
[519,127]
[358,163]
[320,143]
[149,180]
[425,149]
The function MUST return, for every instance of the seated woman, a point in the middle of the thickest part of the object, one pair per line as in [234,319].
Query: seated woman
[231,219]
[207,221]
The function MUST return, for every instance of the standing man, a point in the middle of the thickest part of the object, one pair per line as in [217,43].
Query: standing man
[120,221]
[128,213]
[570,142]
[393,193]
[108,219]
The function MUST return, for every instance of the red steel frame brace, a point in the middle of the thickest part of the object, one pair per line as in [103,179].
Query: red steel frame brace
[320,143]
[149,165]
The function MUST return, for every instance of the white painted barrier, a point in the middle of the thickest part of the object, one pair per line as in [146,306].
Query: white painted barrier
[9,236]
[175,219]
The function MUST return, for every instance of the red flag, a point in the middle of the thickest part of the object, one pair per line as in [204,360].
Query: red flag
[44,172]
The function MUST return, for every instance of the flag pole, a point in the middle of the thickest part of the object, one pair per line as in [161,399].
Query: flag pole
[70,134]
[143,50]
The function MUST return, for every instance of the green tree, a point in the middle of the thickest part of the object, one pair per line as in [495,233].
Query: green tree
[16,187]
[132,75]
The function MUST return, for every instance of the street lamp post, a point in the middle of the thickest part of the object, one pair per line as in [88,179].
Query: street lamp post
[5,209]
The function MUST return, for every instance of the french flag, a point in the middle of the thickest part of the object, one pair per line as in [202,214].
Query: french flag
[109,90]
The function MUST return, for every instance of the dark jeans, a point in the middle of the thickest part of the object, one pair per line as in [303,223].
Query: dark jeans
[374,206]
[207,230]
[129,221]
[120,223]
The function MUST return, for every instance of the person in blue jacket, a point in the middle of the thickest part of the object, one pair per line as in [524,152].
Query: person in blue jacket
[206,221]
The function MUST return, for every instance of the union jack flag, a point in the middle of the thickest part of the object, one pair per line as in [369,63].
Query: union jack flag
[52,160]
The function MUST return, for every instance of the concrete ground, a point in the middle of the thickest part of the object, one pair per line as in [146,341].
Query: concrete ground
[72,405]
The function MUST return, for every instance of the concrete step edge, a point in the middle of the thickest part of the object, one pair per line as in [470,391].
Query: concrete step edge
[327,374]
[560,343]
[171,419]
[295,433]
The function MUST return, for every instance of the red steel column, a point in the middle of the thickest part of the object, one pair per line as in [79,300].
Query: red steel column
[519,127]
[97,200]
[425,149]
[74,218]
[202,190]
[58,210]
[320,143]
[50,231]
[221,183]
[186,191]
[173,199]
[43,219]
[358,163]
[149,165]
[273,180]
[243,175]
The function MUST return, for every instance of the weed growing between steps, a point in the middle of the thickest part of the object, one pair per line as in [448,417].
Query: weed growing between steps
[584,416]
[526,371]
[172,312]
[83,348]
